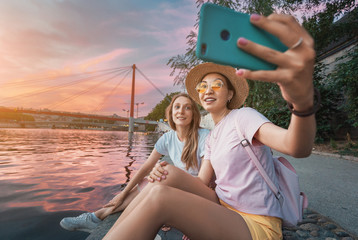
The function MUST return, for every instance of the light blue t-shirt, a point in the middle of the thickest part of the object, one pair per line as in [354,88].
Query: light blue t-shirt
[169,144]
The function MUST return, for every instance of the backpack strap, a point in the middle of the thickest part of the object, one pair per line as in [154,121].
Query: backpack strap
[245,143]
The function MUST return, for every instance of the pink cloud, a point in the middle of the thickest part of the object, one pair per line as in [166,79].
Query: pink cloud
[104,58]
[56,40]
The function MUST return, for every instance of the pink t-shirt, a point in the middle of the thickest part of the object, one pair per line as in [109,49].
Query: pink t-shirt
[239,183]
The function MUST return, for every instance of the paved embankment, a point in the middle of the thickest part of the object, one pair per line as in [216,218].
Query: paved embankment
[331,185]
[313,227]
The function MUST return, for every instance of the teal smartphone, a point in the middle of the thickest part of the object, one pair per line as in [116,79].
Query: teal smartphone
[219,30]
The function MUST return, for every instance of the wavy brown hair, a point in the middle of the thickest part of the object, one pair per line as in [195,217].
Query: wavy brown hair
[188,156]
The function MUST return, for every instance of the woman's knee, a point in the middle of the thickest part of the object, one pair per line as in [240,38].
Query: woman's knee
[174,174]
[158,190]
[157,195]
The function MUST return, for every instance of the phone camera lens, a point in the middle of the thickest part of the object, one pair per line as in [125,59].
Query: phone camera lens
[225,35]
[203,49]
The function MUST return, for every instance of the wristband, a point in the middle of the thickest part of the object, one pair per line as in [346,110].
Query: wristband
[316,106]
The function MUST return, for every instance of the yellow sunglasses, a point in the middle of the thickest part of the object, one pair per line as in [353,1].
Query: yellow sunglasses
[203,86]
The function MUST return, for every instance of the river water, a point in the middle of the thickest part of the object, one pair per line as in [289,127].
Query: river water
[47,174]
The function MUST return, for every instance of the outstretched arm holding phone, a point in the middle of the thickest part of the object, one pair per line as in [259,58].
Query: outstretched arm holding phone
[293,75]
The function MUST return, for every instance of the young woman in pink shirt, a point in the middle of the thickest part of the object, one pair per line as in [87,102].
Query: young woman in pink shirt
[242,205]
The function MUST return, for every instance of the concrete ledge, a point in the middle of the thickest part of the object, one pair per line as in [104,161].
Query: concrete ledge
[104,227]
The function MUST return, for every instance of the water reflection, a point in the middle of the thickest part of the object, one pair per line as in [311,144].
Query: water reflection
[61,170]
[127,167]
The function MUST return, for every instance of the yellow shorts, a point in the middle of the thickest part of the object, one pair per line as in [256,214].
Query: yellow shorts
[261,227]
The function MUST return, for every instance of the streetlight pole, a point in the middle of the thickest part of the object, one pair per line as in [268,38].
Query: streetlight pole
[137,107]
[127,112]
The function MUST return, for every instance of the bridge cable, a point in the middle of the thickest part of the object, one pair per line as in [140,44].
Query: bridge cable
[100,106]
[83,92]
[29,94]
[37,80]
[153,85]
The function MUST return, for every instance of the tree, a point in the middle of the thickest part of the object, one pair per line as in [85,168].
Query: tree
[14,116]
[325,117]
[344,77]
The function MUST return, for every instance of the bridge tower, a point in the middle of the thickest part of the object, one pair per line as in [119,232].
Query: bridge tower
[131,117]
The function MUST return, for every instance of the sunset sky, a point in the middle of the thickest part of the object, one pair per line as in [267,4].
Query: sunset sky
[53,53]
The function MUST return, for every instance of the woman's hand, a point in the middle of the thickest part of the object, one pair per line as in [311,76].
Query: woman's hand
[294,66]
[158,173]
[116,201]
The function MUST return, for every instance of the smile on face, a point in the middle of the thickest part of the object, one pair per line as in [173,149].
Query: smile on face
[182,111]
[215,100]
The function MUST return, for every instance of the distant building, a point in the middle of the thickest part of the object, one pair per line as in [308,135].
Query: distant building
[342,46]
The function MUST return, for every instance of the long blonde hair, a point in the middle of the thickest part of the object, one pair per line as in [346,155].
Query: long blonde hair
[188,156]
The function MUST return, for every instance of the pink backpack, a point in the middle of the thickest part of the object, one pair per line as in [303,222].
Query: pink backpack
[288,193]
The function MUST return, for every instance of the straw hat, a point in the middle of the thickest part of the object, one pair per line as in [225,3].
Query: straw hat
[200,71]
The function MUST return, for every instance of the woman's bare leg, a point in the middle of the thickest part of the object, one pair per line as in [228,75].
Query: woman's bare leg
[106,211]
[195,216]
[176,178]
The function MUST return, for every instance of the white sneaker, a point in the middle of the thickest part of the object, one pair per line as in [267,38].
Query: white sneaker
[83,222]
[158,237]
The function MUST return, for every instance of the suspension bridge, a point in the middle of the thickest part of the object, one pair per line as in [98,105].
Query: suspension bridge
[94,80]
